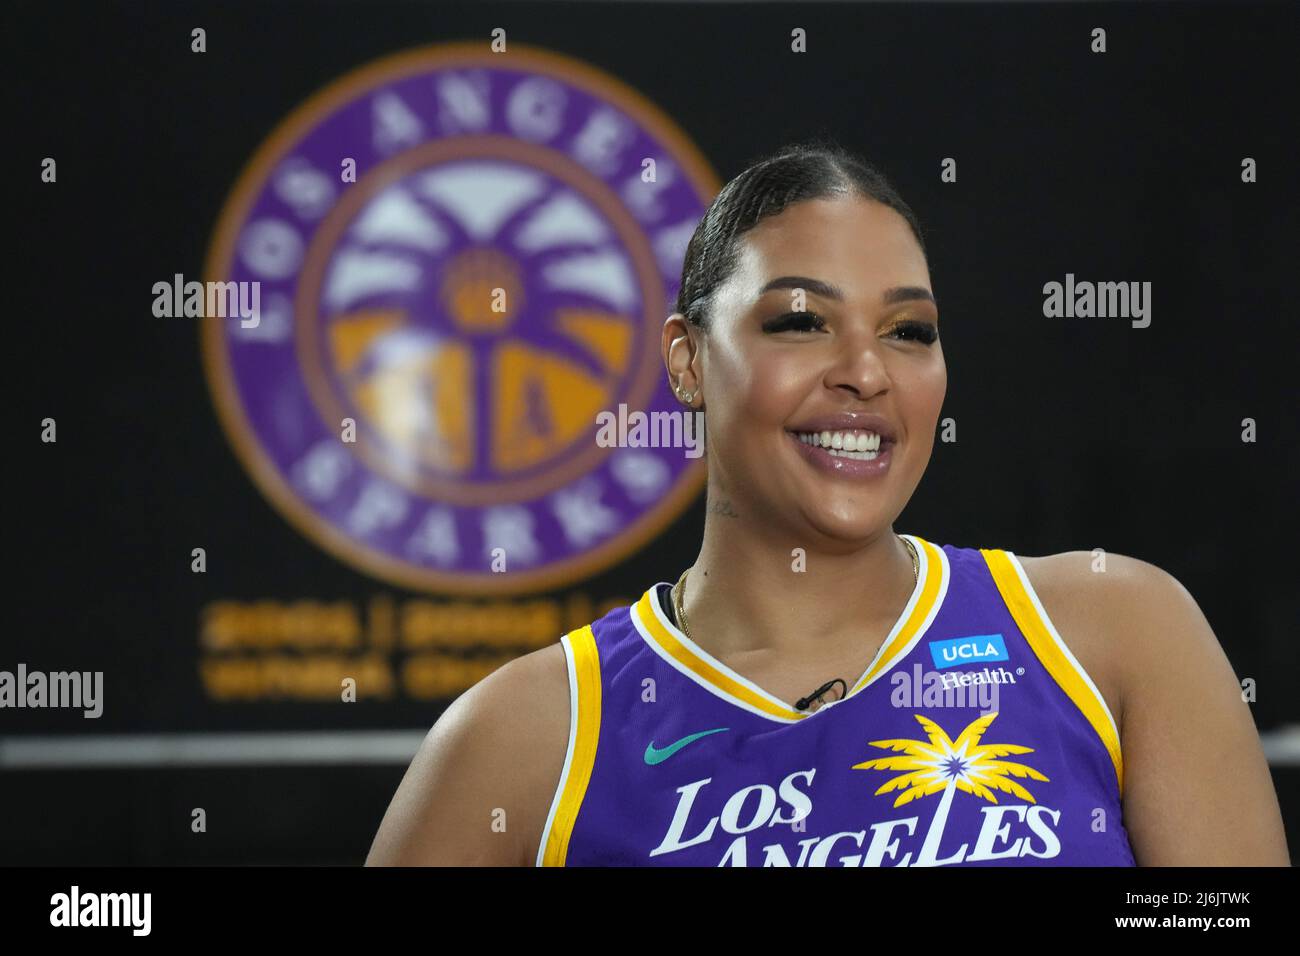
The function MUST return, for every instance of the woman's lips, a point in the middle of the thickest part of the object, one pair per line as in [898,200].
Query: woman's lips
[821,458]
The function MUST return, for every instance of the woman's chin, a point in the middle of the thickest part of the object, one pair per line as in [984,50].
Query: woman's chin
[848,526]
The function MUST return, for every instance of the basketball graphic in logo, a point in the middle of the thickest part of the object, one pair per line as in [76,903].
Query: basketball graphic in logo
[439,331]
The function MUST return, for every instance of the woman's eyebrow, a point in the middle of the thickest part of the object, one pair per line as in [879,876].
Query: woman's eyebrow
[814,286]
[905,293]
[908,293]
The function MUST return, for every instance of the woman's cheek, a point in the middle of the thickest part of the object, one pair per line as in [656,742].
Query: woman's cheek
[928,387]
[772,401]
[921,395]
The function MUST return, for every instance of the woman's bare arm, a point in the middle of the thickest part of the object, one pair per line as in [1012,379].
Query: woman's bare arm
[1197,789]
[480,787]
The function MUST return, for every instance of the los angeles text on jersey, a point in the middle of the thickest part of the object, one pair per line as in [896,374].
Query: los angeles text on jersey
[1007,830]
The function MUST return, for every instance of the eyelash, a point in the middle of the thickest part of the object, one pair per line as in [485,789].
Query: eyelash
[923,332]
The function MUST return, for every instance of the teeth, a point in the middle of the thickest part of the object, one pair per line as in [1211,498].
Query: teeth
[847,444]
[859,455]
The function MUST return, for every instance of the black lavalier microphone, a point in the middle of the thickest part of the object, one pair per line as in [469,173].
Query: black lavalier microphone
[803,702]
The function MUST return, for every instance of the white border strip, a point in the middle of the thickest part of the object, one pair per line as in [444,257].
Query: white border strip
[572,665]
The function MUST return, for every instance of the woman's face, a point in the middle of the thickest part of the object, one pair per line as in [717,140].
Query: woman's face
[855,360]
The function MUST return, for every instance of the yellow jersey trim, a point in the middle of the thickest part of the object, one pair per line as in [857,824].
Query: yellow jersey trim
[584,733]
[1032,619]
[725,682]
[926,602]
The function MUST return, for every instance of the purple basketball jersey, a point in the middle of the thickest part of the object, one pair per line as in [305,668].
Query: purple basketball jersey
[974,738]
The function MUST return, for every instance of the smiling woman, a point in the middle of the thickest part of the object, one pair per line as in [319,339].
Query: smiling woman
[749,714]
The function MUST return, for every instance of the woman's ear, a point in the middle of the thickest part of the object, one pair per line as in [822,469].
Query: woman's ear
[679,354]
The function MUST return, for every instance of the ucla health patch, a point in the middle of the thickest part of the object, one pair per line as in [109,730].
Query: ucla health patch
[964,651]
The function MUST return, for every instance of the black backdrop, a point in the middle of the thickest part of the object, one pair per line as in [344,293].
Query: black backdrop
[1072,433]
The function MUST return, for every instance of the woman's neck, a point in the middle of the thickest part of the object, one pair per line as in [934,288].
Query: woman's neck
[750,589]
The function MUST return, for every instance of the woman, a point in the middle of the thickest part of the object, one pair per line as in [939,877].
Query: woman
[817,690]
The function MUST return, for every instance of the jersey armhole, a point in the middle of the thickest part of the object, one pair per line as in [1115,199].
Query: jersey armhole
[1045,640]
[582,661]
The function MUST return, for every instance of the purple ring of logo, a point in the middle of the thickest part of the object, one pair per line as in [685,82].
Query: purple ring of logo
[479,177]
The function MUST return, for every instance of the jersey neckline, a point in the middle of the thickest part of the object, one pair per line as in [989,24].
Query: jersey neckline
[666,640]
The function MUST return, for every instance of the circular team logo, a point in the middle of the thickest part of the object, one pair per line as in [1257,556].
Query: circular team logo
[461,264]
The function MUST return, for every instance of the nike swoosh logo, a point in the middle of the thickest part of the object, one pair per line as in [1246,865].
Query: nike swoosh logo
[654,755]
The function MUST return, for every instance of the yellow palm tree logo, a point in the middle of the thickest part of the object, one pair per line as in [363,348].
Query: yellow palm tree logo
[950,765]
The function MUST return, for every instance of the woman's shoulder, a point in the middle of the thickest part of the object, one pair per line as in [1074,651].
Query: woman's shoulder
[1105,585]
[480,787]
[1182,709]
[517,706]
[1112,611]
[1099,574]
[520,715]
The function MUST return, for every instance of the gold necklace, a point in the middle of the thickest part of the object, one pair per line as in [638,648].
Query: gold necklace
[680,588]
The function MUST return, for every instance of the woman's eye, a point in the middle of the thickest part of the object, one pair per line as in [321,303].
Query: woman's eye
[795,322]
[922,332]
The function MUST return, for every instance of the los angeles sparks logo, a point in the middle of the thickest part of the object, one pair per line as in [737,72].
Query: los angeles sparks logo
[937,765]
[437,337]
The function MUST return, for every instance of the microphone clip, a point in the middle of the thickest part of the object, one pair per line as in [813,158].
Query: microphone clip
[803,702]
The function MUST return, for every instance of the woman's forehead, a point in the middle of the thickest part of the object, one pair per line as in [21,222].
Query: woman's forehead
[858,256]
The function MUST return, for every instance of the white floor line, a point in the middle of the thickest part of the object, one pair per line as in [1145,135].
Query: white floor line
[1282,746]
[198,750]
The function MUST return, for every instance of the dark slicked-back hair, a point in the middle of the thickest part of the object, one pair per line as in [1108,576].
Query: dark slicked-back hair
[815,169]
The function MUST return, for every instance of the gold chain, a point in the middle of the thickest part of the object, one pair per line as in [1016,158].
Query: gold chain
[679,588]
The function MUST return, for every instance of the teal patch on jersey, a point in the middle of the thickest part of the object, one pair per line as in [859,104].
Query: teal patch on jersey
[654,755]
